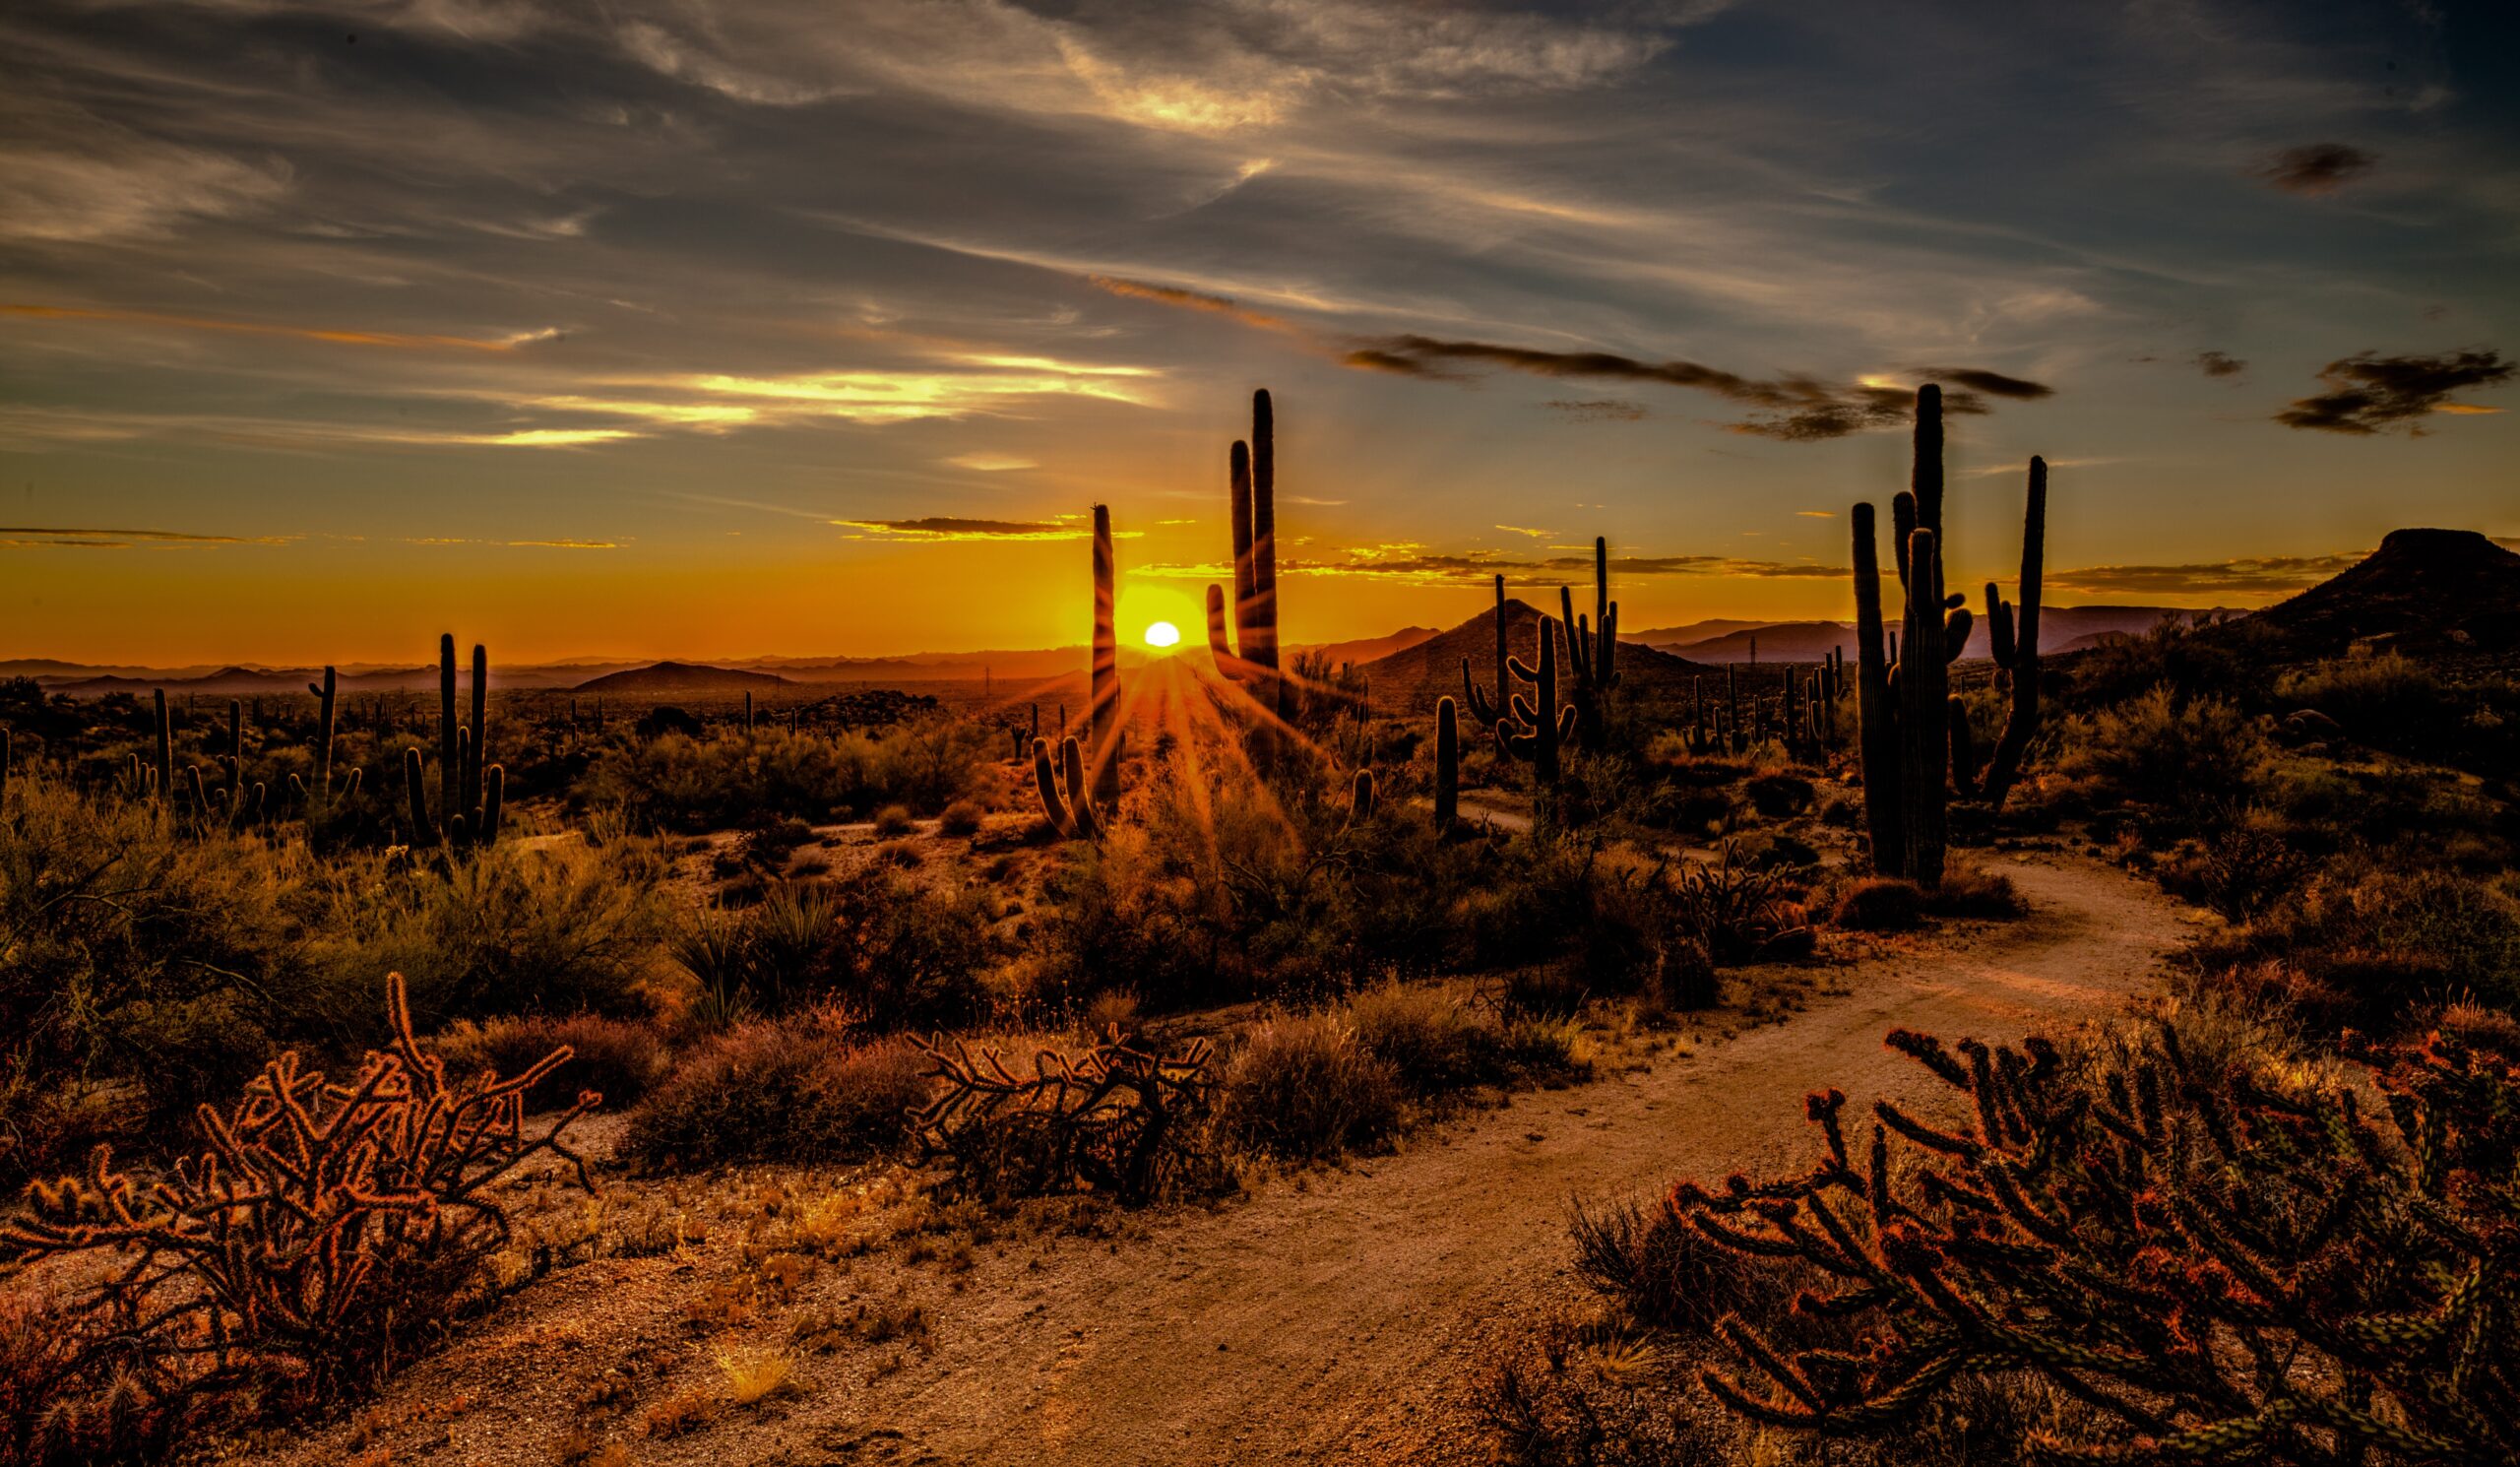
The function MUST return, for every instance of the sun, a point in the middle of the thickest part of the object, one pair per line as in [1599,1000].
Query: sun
[1162,634]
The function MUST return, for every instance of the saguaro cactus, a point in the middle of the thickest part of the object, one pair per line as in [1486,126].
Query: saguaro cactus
[1447,765]
[1103,718]
[1539,728]
[1250,659]
[1914,741]
[1592,647]
[318,802]
[1481,712]
[2017,651]
[471,791]
[163,771]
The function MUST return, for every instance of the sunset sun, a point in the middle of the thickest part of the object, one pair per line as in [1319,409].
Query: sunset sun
[1162,635]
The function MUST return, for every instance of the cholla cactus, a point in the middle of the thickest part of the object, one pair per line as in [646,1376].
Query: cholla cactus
[323,1225]
[2221,1266]
[1115,1118]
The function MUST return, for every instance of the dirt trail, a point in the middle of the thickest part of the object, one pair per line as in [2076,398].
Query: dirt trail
[1342,1319]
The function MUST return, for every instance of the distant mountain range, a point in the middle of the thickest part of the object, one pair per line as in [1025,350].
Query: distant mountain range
[2060,629]
[682,678]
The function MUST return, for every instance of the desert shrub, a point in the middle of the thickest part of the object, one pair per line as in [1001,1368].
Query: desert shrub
[325,1234]
[2387,702]
[2220,659]
[800,1088]
[620,1060]
[893,820]
[1431,1043]
[962,818]
[1116,1119]
[2237,870]
[1970,891]
[1733,911]
[2180,756]
[1879,904]
[897,953]
[685,782]
[1302,1086]
[2205,1242]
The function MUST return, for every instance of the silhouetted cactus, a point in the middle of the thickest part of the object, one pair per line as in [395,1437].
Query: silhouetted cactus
[1251,660]
[1904,740]
[1447,765]
[2016,651]
[1539,730]
[1103,720]
[1361,797]
[470,793]
[163,771]
[1593,648]
[1070,813]
[2220,1263]
[317,800]
[1483,713]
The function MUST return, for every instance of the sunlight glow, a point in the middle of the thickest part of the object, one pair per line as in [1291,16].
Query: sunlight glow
[1162,635]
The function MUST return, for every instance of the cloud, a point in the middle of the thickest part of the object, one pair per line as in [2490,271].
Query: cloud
[2315,168]
[333,336]
[2260,575]
[31,536]
[1791,409]
[941,528]
[2370,394]
[1598,410]
[2219,363]
[1817,514]
[990,463]
[1993,384]
[1412,564]
[1196,301]
[1520,529]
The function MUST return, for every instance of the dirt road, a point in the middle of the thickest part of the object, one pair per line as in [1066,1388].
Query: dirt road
[1339,1319]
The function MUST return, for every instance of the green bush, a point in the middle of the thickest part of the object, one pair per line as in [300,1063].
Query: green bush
[2182,757]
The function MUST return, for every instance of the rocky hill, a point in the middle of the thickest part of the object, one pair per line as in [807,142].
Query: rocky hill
[681,679]
[1410,680]
[2422,591]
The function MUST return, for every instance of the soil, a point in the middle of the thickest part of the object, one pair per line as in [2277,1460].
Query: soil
[1342,1315]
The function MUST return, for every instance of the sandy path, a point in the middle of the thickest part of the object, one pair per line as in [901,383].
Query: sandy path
[1342,1319]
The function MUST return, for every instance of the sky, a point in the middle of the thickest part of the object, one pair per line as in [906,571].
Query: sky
[782,328]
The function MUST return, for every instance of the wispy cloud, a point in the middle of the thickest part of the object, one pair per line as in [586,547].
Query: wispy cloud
[32,536]
[1409,564]
[2219,363]
[2261,575]
[329,335]
[1791,408]
[943,529]
[2370,394]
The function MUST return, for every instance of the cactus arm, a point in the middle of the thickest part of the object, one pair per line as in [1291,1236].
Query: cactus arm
[479,749]
[1964,749]
[2000,643]
[1079,795]
[1045,780]
[1481,712]
[493,796]
[1955,634]
[449,751]
[423,830]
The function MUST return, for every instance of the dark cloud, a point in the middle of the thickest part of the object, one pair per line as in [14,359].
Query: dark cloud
[1197,300]
[1993,384]
[27,537]
[2370,394]
[2219,363]
[1791,408]
[2260,575]
[952,528]
[2316,167]
[1598,410]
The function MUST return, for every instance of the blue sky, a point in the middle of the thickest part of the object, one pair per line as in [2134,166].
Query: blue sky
[787,328]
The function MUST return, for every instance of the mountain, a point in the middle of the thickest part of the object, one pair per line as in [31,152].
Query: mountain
[2445,590]
[1694,631]
[1410,680]
[682,678]
[2060,629]
[1364,650]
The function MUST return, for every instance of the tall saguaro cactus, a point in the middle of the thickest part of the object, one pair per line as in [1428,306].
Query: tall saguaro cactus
[2017,651]
[318,799]
[1913,736]
[471,791]
[1540,728]
[1592,647]
[1251,658]
[1482,712]
[1447,766]
[1103,718]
